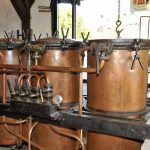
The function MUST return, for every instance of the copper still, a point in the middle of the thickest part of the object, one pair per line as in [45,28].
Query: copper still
[119,90]
[62,53]
[10,50]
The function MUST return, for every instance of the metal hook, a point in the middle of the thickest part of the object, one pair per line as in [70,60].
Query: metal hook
[118,23]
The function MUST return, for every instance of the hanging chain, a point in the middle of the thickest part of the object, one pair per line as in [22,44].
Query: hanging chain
[118,9]
[118,22]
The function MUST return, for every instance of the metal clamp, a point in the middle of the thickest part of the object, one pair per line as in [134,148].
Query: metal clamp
[136,47]
[102,52]
[85,38]
[9,37]
[63,43]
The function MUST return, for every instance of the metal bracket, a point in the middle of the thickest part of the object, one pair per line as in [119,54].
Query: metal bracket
[101,52]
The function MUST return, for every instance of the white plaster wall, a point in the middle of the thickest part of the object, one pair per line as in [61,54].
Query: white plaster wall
[9,20]
[40,21]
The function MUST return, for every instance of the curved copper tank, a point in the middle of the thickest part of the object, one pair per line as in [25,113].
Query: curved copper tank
[117,89]
[10,55]
[64,84]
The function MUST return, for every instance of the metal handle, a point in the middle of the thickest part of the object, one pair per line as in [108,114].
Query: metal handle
[85,38]
[63,34]
[137,57]
[136,47]
[38,37]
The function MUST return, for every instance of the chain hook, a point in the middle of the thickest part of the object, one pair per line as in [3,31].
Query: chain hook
[118,23]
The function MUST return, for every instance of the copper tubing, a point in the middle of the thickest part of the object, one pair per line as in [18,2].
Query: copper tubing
[68,135]
[4,79]
[80,131]
[13,123]
[39,80]
[21,77]
[22,137]
[39,86]
[29,135]
[32,75]
[29,78]
[10,71]
[53,68]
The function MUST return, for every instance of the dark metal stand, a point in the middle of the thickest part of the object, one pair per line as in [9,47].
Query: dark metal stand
[121,127]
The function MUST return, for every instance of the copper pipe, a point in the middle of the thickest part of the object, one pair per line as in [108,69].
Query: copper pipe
[21,77]
[32,75]
[13,123]
[21,132]
[39,80]
[18,71]
[54,68]
[39,86]
[79,132]
[68,135]
[29,135]
[26,75]
[22,137]
[4,79]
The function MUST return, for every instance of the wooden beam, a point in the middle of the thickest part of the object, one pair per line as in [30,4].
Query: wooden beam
[54,13]
[22,8]
[17,8]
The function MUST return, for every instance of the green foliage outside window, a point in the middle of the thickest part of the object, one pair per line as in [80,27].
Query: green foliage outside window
[65,21]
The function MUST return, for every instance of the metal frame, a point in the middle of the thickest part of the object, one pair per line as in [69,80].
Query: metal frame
[121,127]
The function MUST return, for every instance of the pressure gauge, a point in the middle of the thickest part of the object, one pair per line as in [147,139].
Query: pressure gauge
[57,100]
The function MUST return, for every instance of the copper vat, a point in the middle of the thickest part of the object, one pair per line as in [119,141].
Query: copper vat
[65,85]
[118,89]
[10,53]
